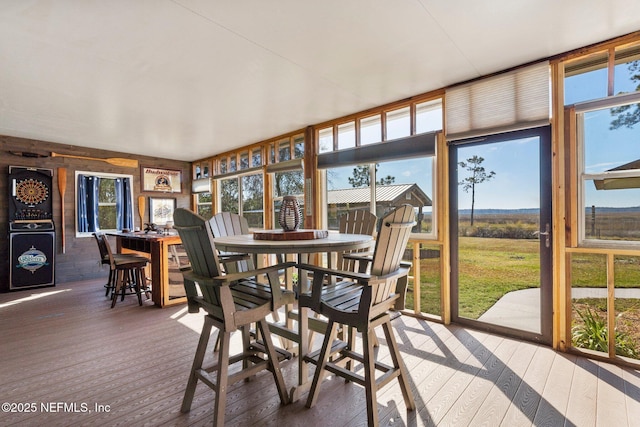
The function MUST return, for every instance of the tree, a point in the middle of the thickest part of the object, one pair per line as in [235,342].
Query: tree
[361,177]
[628,115]
[478,176]
[288,183]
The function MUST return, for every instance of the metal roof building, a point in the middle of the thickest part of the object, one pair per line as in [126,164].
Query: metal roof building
[391,195]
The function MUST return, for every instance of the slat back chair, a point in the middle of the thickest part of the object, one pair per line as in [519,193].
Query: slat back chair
[364,303]
[359,221]
[232,302]
[231,224]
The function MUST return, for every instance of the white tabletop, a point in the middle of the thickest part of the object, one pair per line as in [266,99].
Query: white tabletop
[335,242]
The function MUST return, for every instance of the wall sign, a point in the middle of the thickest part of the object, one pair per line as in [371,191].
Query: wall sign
[162,180]
[161,210]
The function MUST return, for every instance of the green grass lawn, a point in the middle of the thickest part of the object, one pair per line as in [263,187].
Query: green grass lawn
[490,267]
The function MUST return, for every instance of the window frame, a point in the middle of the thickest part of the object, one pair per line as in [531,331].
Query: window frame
[101,175]
[370,153]
[583,178]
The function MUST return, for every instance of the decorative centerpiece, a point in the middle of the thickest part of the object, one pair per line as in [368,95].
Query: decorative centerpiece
[290,217]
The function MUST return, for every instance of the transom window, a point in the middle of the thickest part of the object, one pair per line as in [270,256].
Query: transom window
[380,161]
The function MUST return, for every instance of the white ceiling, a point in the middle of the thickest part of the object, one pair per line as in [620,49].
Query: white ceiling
[187,79]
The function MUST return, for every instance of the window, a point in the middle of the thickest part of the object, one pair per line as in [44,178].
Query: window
[398,123]
[104,202]
[325,140]
[400,166]
[240,177]
[229,191]
[346,135]
[588,78]
[370,130]
[253,199]
[609,172]
[204,205]
[406,181]
[243,195]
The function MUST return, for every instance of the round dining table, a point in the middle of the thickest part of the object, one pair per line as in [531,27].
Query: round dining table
[332,244]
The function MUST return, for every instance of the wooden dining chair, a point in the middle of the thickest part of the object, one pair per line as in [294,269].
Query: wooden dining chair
[231,301]
[363,302]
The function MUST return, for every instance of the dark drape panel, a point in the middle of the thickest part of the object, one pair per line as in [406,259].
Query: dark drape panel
[88,187]
[124,214]
[127,208]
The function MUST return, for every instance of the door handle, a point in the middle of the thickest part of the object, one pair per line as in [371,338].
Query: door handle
[546,234]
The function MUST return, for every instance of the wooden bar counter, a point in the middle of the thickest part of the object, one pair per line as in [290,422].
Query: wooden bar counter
[157,248]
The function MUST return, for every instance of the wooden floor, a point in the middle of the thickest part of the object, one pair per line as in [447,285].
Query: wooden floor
[69,359]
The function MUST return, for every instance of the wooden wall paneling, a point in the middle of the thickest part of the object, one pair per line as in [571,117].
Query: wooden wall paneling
[80,260]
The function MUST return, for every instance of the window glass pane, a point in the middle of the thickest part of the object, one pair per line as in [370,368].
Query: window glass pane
[586,79]
[370,130]
[272,153]
[256,156]
[204,205]
[408,181]
[612,214]
[283,151]
[429,116]
[612,157]
[232,164]
[346,135]
[107,217]
[288,183]
[325,140]
[627,70]
[253,200]
[223,166]
[347,188]
[107,191]
[611,139]
[298,147]
[244,160]
[229,193]
[398,123]
[107,204]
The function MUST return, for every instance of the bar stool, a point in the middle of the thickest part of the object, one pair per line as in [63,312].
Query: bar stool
[127,273]
[104,248]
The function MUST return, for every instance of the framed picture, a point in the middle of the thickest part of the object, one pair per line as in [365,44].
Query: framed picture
[163,180]
[161,210]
